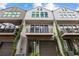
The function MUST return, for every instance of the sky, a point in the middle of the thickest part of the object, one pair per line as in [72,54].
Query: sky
[50,6]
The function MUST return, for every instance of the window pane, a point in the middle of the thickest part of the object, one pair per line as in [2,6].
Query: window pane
[14,13]
[69,15]
[73,15]
[65,15]
[61,28]
[46,14]
[17,15]
[39,29]
[37,14]
[32,29]
[61,15]
[36,29]
[33,14]
[42,14]
[10,13]
[43,29]
[6,13]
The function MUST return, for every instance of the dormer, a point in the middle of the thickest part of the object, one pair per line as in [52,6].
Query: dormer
[66,14]
[12,13]
[39,13]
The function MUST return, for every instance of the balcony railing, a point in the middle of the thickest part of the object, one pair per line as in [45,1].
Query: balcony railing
[8,28]
[69,29]
[44,30]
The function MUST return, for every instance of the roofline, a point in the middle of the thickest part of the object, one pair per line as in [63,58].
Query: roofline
[66,8]
[37,7]
[11,7]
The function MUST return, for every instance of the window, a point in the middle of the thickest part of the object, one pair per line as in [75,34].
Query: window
[8,15]
[32,29]
[33,14]
[73,15]
[42,14]
[69,15]
[64,9]
[17,15]
[75,28]
[4,15]
[61,15]
[37,14]
[14,13]
[69,28]
[11,14]
[44,29]
[36,29]
[46,14]
[39,29]
[61,28]
[65,15]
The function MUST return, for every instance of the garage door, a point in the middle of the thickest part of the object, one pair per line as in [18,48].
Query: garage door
[6,49]
[48,49]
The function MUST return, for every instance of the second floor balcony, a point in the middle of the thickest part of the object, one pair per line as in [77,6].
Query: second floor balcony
[69,29]
[39,30]
[8,28]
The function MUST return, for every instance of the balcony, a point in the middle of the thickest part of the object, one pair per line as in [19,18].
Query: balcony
[39,30]
[69,29]
[8,29]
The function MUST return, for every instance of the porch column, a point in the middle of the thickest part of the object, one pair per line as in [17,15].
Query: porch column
[21,47]
[24,45]
[18,48]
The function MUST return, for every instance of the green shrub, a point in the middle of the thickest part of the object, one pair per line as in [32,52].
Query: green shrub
[34,54]
[16,40]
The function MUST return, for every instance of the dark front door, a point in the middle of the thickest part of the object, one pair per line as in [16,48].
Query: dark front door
[47,48]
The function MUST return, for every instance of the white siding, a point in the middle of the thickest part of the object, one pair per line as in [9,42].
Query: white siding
[28,15]
[68,11]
